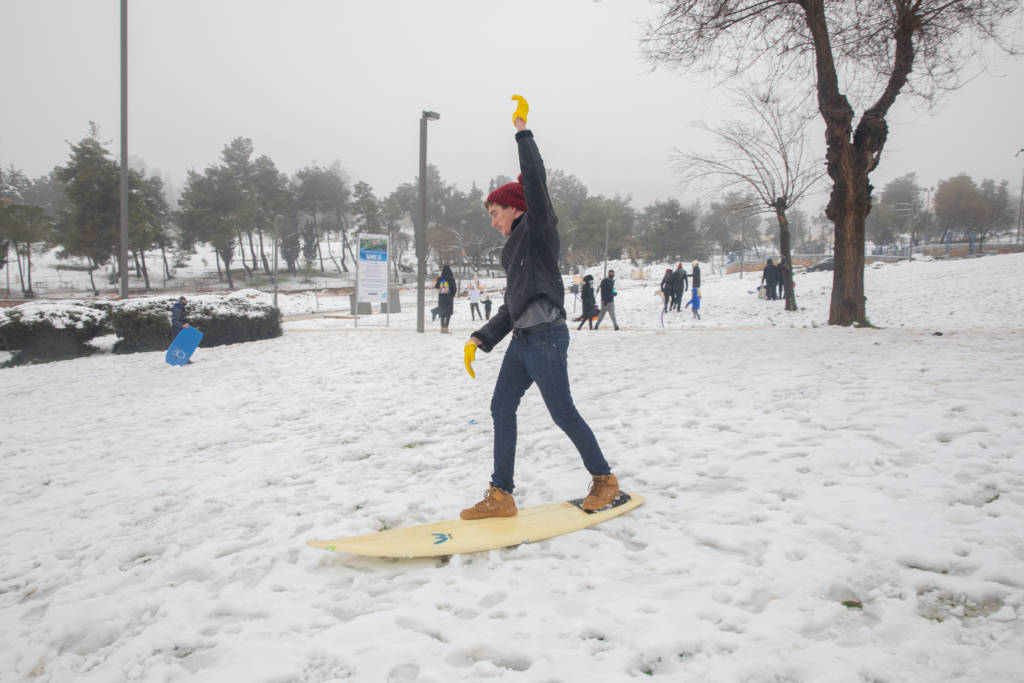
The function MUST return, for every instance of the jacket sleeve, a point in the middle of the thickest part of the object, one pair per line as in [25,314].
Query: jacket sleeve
[535,177]
[495,330]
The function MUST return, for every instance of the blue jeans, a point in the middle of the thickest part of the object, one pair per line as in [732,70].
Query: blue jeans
[538,357]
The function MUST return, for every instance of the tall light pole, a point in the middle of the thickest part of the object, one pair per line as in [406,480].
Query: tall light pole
[278,219]
[123,254]
[1020,210]
[421,226]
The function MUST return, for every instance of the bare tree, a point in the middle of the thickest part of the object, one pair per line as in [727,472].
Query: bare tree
[877,45]
[766,155]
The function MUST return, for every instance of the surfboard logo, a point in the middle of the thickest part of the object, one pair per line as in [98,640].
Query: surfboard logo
[441,538]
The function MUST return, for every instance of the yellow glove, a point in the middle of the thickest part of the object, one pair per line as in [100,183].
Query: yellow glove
[522,110]
[469,351]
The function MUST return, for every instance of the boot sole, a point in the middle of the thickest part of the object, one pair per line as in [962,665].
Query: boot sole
[511,514]
[620,498]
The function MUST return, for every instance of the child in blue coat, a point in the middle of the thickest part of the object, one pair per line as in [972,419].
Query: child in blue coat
[695,301]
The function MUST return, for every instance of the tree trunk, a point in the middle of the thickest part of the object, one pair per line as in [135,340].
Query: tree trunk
[850,158]
[853,195]
[92,280]
[145,270]
[345,247]
[330,252]
[252,250]
[167,267]
[786,260]
[263,255]
[226,256]
[316,237]
[21,270]
[241,250]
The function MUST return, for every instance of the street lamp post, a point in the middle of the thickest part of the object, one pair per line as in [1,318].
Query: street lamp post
[1020,209]
[421,226]
[123,252]
[278,219]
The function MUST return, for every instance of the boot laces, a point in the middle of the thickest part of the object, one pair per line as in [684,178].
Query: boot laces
[490,498]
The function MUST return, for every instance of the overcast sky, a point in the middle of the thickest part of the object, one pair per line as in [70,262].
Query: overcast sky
[313,81]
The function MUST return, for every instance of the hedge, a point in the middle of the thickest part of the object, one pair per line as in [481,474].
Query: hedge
[50,331]
[53,331]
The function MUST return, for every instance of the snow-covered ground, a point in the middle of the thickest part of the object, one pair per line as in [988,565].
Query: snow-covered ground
[824,505]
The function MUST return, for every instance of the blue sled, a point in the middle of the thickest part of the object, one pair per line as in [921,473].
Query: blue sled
[183,346]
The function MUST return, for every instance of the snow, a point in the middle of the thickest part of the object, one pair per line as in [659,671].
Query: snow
[236,303]
[825,505]
[60,315]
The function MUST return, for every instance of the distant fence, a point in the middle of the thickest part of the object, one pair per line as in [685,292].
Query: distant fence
[61,284]
[890,255]
[803,260]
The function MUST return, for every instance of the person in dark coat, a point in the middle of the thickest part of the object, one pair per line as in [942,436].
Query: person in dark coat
[534,313]
[667,290]
[589,302]
[680,283]
[770,279]
[179,316]
[696,275]
[608,295]
[446,288]
[487,307]
[781,278]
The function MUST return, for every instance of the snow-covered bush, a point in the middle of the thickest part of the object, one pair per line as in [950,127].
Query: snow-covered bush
[142,324]
[49,331]
[233,319]
[145,324]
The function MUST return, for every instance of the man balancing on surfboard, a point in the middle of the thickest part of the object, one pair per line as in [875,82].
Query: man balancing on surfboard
[535,315]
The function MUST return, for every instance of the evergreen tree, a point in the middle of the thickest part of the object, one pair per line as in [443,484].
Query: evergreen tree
[206,209]
[89,225]
[669,232]
[322,194]
[366,209]
[273,198]
[148,214]
[24,227]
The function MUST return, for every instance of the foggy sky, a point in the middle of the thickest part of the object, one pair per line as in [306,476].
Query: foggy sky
[314,81]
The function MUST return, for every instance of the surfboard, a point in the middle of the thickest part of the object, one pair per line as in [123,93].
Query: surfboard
[455,536]
[183,346]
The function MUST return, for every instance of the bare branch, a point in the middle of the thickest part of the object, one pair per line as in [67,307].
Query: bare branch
[766,153]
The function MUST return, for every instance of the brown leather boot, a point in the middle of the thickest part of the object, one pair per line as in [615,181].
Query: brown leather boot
[603,490]
[496,503]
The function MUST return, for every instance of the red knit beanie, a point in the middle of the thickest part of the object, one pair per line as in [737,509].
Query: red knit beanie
[509,194]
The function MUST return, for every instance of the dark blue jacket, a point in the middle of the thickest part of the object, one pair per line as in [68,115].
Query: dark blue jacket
[178,316]
[530,256]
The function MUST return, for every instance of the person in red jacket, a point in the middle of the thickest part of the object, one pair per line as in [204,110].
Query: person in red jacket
[534,314]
